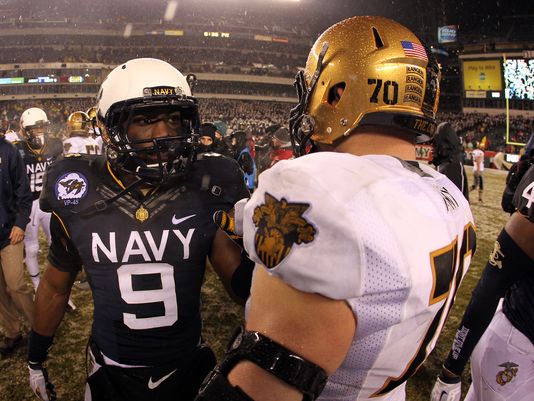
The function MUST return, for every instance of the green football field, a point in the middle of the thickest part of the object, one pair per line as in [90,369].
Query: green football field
[66,363]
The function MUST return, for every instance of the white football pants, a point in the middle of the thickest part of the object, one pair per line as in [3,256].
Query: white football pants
[502,364]
[31,240]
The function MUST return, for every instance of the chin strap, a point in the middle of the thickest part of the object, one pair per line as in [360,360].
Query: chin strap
[102,204]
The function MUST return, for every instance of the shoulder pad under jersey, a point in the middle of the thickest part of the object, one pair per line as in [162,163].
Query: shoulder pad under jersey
[68,180]
[217,172]
[54,147]
[524,195]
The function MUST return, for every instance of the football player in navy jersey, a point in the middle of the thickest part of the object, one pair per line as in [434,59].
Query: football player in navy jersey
[139,219]
[37,151]
[499,338]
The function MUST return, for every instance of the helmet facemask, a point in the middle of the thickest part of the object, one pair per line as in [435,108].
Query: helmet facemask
[152,159]
[301,125]
[35,134]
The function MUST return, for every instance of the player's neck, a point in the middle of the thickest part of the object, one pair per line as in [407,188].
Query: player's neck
[372,143]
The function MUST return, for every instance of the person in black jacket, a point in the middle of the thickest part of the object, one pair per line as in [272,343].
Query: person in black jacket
[515,174]
[448,156]
[15,207]
[244,158]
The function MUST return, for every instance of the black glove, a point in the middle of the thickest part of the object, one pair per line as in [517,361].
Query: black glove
[232,222]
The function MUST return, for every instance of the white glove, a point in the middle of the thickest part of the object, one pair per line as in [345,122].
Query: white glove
[239,211]
[39,383]
[446,392]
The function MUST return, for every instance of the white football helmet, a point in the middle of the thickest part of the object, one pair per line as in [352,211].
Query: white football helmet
[34,124]
[147,86]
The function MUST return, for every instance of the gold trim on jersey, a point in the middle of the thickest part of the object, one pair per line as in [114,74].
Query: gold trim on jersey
[62,224]
[114,176]
[443,252]
[39,152]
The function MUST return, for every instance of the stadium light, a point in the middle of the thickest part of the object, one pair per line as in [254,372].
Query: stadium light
[170,11]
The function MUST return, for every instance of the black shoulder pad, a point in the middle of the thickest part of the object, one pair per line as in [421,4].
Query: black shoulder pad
[524,195]
[55,147]
[67,181]
[222,176]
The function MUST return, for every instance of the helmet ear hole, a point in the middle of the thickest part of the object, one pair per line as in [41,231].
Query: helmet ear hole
[335,93]
[379,43]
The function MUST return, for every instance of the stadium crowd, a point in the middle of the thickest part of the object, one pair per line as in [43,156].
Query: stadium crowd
[489,130]
[255,116]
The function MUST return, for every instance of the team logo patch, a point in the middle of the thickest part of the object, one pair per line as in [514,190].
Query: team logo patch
[496,256]
[280,225]
[71,187]
[507,375]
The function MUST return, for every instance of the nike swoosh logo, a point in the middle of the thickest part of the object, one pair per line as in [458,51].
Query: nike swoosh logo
[443,396]
[152,385]
[178,221]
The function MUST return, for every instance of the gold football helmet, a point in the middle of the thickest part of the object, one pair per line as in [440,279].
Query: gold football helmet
[93,129]
[78,124]
[91,113]
[365,71]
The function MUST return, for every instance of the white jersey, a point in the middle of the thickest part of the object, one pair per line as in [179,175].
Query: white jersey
[392,238]
[99,141]
[80,144]
[12,136]
[478,157]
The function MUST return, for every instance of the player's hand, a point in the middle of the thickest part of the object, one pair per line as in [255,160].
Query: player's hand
[16,235]
[448,389]
[232,222]
[40,384]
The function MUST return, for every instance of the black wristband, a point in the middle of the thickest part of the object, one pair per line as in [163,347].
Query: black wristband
[449,380]
[38,346]
[242,277]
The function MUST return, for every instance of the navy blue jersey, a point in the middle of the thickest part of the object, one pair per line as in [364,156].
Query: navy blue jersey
[37,160]
[144,254]
[524,195]
[519,300]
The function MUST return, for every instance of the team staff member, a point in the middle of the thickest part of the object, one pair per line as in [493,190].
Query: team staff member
[139,220]
[356,245]
[15,207]
[447,156]
[499,340]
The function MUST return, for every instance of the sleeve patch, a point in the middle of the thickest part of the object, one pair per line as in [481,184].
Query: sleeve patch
[71,187]
[279,226]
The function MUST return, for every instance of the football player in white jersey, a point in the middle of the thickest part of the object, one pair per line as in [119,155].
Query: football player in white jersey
[478,171]
[359,249]
[79,140]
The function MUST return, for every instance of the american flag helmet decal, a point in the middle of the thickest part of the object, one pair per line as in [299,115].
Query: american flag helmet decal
[413,49]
